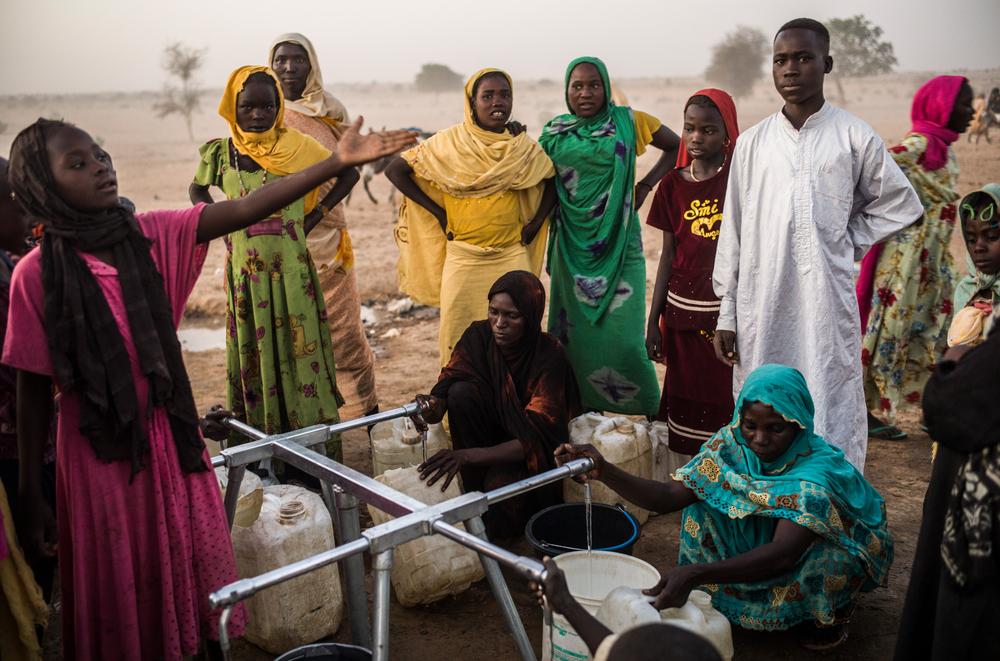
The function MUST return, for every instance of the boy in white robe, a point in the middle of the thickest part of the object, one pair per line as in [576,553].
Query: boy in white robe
[811,188]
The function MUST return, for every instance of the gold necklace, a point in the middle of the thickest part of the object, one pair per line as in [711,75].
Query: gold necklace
[697,180]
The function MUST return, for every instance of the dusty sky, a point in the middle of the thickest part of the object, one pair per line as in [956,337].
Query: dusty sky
[108,45]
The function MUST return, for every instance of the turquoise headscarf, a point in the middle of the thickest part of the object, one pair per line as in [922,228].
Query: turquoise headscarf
[811,483]
[595,164]
[977,281]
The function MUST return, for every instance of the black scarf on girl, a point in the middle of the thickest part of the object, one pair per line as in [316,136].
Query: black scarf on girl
[87,350]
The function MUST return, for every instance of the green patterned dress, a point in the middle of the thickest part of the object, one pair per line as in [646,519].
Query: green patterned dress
[741,499]
[279,358]
[597,303]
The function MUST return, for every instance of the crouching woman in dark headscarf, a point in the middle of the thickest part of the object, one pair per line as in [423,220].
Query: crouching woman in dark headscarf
[509,392]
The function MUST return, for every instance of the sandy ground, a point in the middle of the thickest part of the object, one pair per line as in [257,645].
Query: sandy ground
[156,161]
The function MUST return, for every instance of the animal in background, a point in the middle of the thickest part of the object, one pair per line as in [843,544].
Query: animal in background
[371,170]
[987,116]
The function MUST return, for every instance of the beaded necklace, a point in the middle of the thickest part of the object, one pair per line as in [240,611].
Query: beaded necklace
[244,191]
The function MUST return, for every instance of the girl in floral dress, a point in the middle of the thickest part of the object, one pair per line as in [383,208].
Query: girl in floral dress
[279,357]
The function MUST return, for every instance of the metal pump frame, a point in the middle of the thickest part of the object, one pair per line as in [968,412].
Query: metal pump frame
[342,488]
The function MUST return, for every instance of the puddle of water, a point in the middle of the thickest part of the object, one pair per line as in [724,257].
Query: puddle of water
[202,339]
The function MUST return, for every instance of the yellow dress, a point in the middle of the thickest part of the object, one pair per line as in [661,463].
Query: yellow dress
[490,185]
[21,605]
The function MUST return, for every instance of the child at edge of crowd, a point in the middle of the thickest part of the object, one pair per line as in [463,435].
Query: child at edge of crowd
[648,642]
[23,611]
[688,207]
[107,288]
[978,293]
[279,357]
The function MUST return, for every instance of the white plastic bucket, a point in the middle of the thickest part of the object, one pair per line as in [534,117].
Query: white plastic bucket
[590,578]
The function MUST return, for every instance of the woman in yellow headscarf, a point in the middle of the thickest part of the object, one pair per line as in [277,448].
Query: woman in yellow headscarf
[278,353]
[477,197]
[309,108]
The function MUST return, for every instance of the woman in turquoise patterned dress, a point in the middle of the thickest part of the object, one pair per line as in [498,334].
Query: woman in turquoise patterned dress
[905,286]
[777,525]
[279,358]
[597,307]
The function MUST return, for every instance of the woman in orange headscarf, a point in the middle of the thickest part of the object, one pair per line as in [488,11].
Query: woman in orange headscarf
[697,392]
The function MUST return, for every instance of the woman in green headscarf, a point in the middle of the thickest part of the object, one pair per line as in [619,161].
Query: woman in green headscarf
[777,525]
[598,296]
[977,295]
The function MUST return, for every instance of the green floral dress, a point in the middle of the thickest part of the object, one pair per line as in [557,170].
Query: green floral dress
[911,308]
[279,358]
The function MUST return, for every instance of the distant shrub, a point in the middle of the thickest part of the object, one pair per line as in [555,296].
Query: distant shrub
[437,78]
[738,60]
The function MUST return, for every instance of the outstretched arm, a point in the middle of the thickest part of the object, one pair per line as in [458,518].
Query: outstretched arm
[652,495]
[228,216]
[770,560]
[400,174]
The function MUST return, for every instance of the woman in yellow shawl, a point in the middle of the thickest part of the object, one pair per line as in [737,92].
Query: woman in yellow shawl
[318,114]
[477,197]
[278,354]
[22,607]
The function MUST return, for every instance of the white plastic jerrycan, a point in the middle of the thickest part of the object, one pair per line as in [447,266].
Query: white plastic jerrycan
[622,442]
[665,460]
[625,608]
[428,568]
[293,524]
[398,444]
[250,499]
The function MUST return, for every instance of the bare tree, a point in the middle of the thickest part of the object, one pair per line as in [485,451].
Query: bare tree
[181,62]
[858,50]
[738,60]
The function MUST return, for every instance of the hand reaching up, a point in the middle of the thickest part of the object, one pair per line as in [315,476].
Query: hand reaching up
[356,149]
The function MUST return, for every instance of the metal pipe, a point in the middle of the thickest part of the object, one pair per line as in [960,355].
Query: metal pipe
[246,587]
[254,434]
[383,566]
[502,593]
[367,489]
[529,568]
[348,530]
[569,469]
[243,428]
[224,631]
[404,411]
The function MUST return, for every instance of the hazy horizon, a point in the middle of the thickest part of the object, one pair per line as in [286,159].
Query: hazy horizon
[62,48]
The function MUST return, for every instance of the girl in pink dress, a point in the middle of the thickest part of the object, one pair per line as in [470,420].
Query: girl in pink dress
[142,535]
